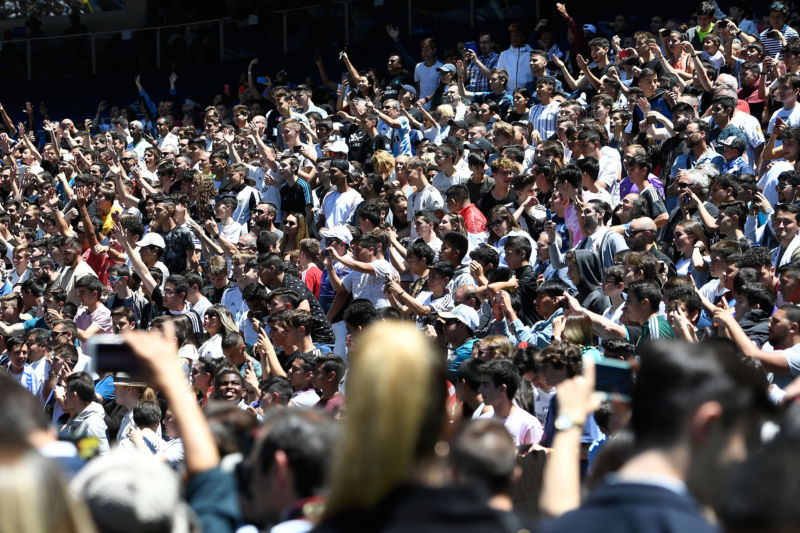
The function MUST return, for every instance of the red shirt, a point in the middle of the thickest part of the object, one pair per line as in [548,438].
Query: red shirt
[99,263]
[473,219]
[312,277]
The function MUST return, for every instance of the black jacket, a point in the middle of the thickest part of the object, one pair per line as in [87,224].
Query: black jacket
[418,509]
[632,508]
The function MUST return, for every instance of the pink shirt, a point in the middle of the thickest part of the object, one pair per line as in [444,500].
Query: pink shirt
[523,426]
[101,317]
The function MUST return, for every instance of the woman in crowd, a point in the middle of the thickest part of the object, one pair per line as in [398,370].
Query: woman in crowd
[388,471]
[217,322]
[689,241]
[200,377]
[294,230]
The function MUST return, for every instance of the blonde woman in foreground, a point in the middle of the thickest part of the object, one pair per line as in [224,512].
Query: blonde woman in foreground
[390,470]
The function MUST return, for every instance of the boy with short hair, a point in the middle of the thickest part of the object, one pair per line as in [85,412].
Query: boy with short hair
[498,385]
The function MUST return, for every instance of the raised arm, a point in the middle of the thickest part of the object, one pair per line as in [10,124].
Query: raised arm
[148,281]
[11,129]
[323,74]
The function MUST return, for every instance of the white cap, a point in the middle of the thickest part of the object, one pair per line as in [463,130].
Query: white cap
[152,239]
[465,314]
[337,232]
[339,147]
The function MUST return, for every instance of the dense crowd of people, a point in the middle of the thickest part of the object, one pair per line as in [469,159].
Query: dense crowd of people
[550,286]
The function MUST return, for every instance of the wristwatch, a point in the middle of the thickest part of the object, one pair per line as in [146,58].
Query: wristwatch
[564,422]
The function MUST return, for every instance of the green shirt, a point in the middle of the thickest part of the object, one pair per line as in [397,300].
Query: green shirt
[656,327]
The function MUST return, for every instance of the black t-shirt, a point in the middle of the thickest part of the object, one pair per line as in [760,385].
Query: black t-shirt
[321,332]
[478,190]
[487,202]
[391,89]
[178,241]
[293,198]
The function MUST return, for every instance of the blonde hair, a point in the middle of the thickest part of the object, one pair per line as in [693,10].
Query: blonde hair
[578,329]
[391,426]
[446,110]
[503,127]
[497,347]
[35,499]
[382,163]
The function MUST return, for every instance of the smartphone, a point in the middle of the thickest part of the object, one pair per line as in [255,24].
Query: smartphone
[651,120]
[773,34]
[615,378]
[722,23]
[685,199]
[778,122]
[110,353]
[471,45]
[623,54]
[262,80]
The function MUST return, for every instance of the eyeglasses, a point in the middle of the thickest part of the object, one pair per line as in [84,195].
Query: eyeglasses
[632,232]
[169,292]
[260,212]
[114,279]
[495,223]
[289,223]
[683,185]
[56,334]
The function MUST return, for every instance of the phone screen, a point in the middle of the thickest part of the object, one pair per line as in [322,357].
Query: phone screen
[614,377]
[110,353]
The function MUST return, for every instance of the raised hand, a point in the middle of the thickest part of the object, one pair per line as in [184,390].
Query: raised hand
[656,50]
[557,61]
[582,64]
[562,9]
[393,32]
[28,108]
[253,63]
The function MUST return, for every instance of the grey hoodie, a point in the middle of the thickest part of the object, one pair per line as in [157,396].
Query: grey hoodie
[91,422]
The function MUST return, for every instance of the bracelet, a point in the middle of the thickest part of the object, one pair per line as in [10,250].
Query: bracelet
[695,56]
[216,236]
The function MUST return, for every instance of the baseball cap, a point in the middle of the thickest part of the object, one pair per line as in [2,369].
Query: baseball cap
[460,124]
[339,147]
[409,88]
[480,144]
[129,492]
[465,314]
[734,142]
[340,232]
[447,67]
[152,239]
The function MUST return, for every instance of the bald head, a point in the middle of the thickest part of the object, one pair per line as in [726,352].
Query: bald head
[643,223]
[467,295]
[642,233]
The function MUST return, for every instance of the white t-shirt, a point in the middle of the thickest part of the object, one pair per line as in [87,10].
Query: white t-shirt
[751,128]
[427,198]
[428,79]
[338,208]
[442,182]
[232,231]
[370,286]
[790,117]
[610,170]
